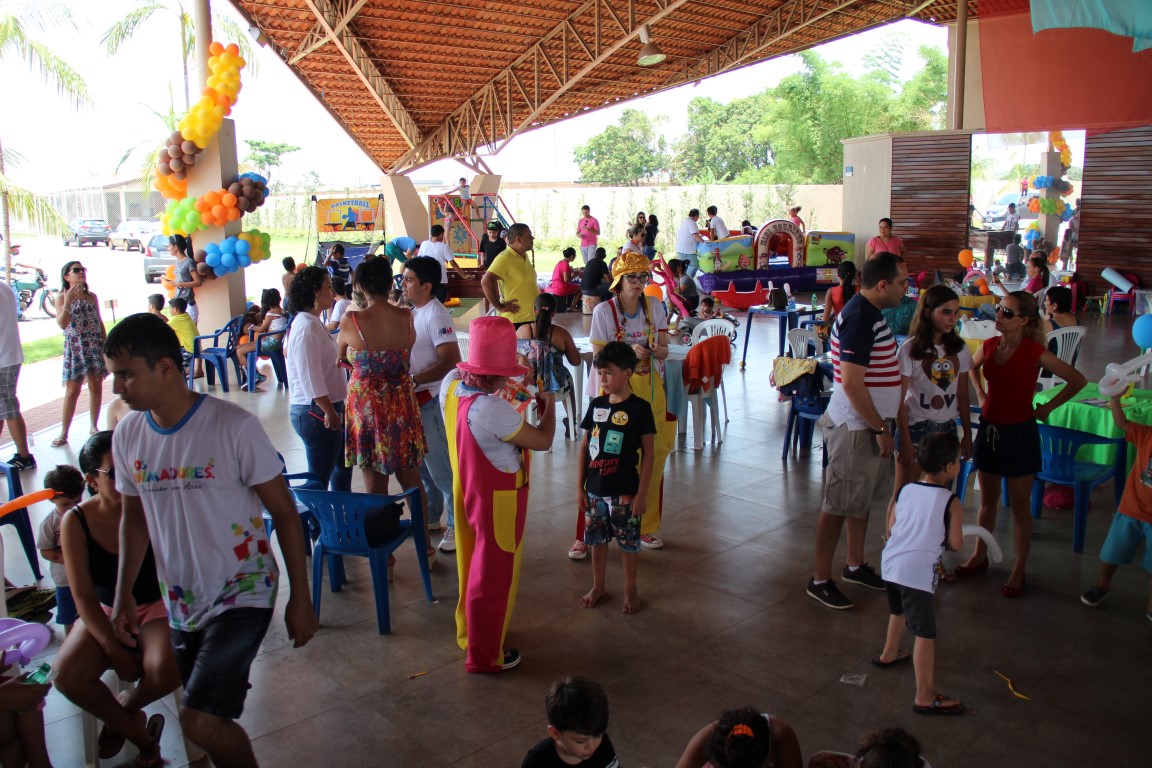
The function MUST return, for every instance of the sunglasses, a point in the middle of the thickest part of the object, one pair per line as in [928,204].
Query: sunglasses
[78,270]
[1008,314]
[111,472]
[640,278]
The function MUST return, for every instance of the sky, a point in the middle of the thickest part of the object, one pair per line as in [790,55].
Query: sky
[65,148]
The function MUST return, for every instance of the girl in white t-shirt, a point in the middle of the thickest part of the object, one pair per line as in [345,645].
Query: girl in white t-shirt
[934,365]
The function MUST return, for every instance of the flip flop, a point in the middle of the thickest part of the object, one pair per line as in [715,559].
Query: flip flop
[938,707]
[150,756]
[901,656]
[110,743]
[60,442]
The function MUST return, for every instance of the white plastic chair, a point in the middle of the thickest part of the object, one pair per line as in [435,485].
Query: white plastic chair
[462,339]
[706,399]
[716,327]
[92,727]
[799,339]
[1068,340]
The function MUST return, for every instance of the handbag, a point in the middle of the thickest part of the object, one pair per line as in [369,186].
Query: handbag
[382,523]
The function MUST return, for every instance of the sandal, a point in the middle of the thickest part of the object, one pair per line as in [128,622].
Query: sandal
[60,441]
[941,705]
[109,743]
[901,655]
[149,757]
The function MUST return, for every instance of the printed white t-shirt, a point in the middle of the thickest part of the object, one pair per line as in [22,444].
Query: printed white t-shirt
[439,251]
[932,382]
[493,422]
[433,327]
[195,482]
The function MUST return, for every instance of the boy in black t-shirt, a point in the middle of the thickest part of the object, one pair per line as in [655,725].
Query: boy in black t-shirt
[615,470]
[577,728]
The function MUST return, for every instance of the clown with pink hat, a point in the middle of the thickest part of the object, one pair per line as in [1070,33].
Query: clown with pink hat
[488,442]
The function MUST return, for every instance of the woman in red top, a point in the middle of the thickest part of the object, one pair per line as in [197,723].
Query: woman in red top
[1008,441]
[565,280]
[837,296]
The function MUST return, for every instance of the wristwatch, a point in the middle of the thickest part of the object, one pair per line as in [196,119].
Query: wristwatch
[882,431]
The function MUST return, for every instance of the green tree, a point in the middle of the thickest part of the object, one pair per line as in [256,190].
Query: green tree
[224,29]
[722,141]
[267,155]
[626,154]
[922,102]
[18,20]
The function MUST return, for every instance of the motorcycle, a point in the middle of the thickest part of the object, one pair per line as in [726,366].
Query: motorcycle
[27,285]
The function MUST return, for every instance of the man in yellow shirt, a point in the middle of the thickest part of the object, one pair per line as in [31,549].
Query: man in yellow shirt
[185,327]
[510,283]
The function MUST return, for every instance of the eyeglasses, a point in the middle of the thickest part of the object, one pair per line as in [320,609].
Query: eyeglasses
[1009,313]
[111,472]
[78,270]
[639,278]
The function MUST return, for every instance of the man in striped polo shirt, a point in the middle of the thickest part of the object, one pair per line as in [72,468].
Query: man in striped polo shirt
[858,434]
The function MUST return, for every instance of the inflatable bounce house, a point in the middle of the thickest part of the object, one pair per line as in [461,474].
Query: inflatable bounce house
[778,253]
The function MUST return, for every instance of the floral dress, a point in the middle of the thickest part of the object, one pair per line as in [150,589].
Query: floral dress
[83,343]
[384,428]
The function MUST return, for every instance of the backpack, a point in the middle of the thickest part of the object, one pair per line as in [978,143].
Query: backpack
[778,298]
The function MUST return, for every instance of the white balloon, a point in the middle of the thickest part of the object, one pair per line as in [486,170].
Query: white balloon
[994,553]
[1116,377]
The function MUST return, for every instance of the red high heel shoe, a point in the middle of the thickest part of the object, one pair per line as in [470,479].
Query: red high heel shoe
[1008,591]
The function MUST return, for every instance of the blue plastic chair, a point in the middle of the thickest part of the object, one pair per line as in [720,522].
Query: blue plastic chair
[216,357]
[1058,447]
[276,357]
[341,518]
[20,519]
[808,411]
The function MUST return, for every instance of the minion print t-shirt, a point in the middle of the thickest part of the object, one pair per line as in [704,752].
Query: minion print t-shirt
[932,382]
[614,432]
[195,481]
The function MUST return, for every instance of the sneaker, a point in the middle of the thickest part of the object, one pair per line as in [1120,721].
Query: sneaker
[448,543]
[1093,595]
[828,594]
[22,462]
[864,576]
[579,551]
[511,659]
[651,542]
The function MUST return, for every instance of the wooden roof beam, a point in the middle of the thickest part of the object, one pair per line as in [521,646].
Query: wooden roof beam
[527,87]
[333,16]
[318,35]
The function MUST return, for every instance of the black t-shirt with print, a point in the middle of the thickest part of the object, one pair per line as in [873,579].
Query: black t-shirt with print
[594,273]
[544,755]
[614,434]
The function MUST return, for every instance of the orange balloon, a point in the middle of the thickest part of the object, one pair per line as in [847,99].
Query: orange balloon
[212,198]
[984,291]
[215,49]
[1054,256]
[233,214]
[228,200]
[170,272]
[965,258]
[981,283]
[218,211]
[25,501]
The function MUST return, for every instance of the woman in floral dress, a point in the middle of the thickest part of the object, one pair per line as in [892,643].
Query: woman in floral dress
[385,436]
[78,313]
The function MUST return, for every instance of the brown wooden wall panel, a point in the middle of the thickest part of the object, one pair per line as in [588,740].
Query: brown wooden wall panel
[1116,206]
[930,181]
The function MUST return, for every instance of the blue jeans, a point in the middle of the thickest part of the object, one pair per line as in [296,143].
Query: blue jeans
[436,468]
[693,265]
[323,448]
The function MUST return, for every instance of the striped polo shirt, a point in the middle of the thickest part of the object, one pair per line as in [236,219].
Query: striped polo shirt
[861,337]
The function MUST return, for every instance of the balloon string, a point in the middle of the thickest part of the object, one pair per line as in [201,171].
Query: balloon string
[1012,688]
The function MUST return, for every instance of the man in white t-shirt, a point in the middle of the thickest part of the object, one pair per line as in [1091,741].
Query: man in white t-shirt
[11,359]
[687,238]
[437,249]
[716,224]
[434,354]
[193,473]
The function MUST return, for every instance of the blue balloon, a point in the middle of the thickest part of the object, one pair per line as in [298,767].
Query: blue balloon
[228,245]
[228,260]
[212,255]
[243,246]
[212,248]
[243,259]
[1142,331]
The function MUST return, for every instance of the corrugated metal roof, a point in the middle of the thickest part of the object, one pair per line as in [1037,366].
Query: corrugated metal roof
[413,82]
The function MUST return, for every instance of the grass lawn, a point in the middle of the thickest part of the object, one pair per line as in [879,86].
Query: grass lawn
[50,347]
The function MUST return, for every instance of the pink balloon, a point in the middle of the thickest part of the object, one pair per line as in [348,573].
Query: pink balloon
[27,639]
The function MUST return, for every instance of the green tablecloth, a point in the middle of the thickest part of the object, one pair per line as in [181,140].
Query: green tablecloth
[1097,420]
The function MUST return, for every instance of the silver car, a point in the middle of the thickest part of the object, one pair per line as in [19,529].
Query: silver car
[131,234]
[156,258]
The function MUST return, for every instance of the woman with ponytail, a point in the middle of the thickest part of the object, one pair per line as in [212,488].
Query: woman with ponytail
[542,348]
[743,738]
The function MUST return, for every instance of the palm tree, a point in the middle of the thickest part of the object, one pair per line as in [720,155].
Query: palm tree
[16,19]
[122,31]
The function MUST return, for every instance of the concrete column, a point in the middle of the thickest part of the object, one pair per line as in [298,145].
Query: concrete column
[222,298]
[1050,225]
[406,211]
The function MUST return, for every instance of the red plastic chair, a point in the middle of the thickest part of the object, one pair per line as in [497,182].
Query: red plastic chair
[1129,298]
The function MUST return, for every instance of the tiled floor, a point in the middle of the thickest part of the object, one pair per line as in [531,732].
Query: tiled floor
[725,623]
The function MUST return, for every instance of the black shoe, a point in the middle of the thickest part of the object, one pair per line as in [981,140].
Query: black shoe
[567,429]
[22,462]
[511,659]
[828,594]
[864,576]
[1092,596]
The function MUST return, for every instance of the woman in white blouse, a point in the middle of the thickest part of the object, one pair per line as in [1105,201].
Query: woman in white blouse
[316,384]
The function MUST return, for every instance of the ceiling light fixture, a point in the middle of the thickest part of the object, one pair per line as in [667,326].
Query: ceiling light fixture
[650,53]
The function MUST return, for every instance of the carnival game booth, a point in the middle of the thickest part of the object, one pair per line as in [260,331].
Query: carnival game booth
[353,252]
[778,253]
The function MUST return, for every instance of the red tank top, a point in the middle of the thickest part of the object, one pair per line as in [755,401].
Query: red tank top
[1011,385]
